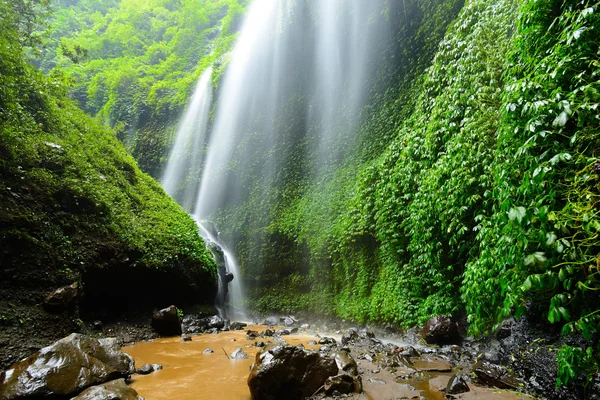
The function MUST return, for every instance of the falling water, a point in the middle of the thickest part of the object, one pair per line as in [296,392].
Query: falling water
[185,158]
[287,111]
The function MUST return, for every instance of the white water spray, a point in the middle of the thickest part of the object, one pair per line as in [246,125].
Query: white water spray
[186,158]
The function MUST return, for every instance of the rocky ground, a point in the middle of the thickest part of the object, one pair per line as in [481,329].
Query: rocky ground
[435,362]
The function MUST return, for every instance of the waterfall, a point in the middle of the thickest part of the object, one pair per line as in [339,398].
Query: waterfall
[287,110]
[185,158]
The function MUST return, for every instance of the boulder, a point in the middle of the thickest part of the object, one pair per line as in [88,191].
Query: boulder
[288,372]
[288,321]
[346,362]
[271,321]
[341,383]
[350,336]
[117,390]
[457,385]
[495,376]
[367,334]
[237,326]
[166,322]
[327,340]
[440,330]
[213,322]
[239,354]
[65,368]
[148,369]
[62,299]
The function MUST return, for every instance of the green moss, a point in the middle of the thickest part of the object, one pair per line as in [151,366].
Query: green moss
[73,200]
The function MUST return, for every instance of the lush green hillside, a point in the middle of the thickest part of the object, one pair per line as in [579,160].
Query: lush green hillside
[134,62]
[75,206]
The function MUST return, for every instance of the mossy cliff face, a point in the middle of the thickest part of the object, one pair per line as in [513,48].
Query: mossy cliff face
[75,206]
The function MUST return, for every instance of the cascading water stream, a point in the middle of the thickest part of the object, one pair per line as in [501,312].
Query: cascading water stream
[186,155]
[287,110]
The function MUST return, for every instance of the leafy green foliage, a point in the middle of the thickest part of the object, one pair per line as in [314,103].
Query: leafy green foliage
[74,202]
[137,75]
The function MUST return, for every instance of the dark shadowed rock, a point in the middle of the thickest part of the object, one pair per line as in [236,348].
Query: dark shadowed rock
[65,368]
[213,322]
[186,338]
[350,336]
[148,369]
[495,375]
[113,390]
[440,330]
[166,322]
[457,385]
[237,326]
[327,340]
[62,299]
[239,354]
[288,372]
[342,383]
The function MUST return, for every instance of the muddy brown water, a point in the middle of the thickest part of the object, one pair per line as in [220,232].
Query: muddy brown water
[190,374]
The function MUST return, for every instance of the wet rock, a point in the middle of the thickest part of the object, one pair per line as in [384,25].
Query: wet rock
[186,338]
[432,364]
[346,362]
[237,326]
[259,344]
[271,321]
[208,351]
[408,351]
[166,322]
[283,332]
[288,372]
[367,334]
[148,369]
[304,326]
[288,321]
[350,336]
[212,331]
[62,299]
[117,390]
[457,385]
[324,349]
[341,383]
[214,322]
[239,354]
[505,329]
[327,340]
[65,368]
[495,375]
[251,335]
[312,342]
[268,332]
[440,330]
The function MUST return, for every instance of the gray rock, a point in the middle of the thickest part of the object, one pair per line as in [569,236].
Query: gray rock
[208,351]
[239,354]
[457,385]
[441,330]
[148,369]
[117,390]
[166,322]
[65,368]
[289,372]
[62,298]
[350,336]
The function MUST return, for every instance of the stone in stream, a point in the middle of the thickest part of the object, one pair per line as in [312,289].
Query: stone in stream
[495,375]
[166,322]
[65,368]
[148,369]
[288,372]
[117,390]
[237,326]
[312,342]
[239,354]
[327,340]
[441,330]
[62,299]
[457,385]
[186,338]
[208,351]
